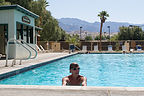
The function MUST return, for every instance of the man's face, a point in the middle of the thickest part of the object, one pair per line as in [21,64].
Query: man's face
[75,70]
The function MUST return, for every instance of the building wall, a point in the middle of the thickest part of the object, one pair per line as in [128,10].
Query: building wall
[4,16]
[7,17]
[18,17]
[11,17]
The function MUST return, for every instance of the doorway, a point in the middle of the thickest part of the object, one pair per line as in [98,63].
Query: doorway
[3,38]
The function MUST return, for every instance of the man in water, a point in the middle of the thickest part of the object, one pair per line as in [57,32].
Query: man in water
[74,79]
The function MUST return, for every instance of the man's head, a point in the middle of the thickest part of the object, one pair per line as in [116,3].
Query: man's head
[74,67]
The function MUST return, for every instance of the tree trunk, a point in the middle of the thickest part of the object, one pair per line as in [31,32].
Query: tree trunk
[101,35]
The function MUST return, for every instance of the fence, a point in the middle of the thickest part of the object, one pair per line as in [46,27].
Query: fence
[116,45]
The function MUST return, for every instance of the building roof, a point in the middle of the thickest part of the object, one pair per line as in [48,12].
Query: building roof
[19,8]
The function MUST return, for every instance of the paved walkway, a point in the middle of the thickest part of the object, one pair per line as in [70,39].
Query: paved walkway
[42,57]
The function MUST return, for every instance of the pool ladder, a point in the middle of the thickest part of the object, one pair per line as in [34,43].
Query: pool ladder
[20,42]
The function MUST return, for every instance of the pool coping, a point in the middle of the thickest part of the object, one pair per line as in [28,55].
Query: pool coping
[39,90]
[73,87]
[111,52]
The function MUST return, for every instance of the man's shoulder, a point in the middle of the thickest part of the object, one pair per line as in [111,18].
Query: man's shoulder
[66,78]
[83,80]
[82,77]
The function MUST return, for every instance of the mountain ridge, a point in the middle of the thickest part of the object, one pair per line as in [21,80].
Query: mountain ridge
[74,24]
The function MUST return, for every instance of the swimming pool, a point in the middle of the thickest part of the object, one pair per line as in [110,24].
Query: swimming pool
[125,70]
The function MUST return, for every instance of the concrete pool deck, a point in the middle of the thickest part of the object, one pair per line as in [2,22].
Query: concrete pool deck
[38,90]
[42,57]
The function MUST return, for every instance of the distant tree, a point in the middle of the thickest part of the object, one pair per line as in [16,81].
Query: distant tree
[114,38]
[3,2]
[88,38]
[62,34]
[103,16]
[102,37]
[23,3]
[51,31]
[39,7]
[130,33]
[73,39]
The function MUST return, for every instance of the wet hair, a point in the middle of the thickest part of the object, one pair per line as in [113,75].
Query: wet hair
[73,65]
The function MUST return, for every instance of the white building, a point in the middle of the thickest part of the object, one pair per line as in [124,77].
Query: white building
[18,23]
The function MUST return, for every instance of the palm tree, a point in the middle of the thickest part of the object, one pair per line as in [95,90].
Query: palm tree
[103,16]
[39,7]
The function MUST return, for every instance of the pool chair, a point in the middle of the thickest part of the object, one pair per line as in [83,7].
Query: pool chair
[84,48]
[139,48]
[110,48]
[124,48]
[38,48]
[131,50]
[96,48]
[43,50]
[71,47]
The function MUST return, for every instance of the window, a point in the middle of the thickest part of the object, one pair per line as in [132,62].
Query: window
[31,35]
[19,31]
[25,32]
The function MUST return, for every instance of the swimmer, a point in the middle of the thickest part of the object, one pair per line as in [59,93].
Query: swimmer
[74,79]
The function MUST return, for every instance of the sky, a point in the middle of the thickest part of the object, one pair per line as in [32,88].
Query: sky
[131,11]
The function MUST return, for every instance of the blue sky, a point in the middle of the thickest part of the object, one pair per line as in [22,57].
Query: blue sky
[131,11]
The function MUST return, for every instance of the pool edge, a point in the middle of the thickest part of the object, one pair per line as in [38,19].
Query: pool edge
[38,90]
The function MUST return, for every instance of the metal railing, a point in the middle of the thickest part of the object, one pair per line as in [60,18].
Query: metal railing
[21,43]
[31,48]
[77,48]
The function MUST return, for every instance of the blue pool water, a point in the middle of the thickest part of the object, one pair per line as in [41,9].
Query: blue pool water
[126,70]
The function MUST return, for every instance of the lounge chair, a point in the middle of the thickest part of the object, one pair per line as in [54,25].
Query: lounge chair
[43,50]
[123,48]
[38,48]
[110,48]
[139,48]
[96,48]
[131,50]
[84,48]
[71,47]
